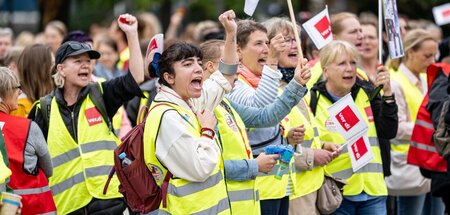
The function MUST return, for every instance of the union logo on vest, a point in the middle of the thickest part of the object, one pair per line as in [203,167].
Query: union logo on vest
[93,116]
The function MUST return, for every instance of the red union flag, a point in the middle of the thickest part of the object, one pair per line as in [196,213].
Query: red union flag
[359,148]
[93,117]
[319,29]
[324,27]
[347,118]
[441,14]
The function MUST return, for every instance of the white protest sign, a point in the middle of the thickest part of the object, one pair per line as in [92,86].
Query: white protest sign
[347,119]
[360,152]
[156,43]
[319,29]
[392,24]
[441,14]
[250,6]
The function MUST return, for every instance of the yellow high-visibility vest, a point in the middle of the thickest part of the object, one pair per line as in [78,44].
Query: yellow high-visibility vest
[369,178]
[183,196]
[306,181]
[244,197]
[81,168]
[411,93]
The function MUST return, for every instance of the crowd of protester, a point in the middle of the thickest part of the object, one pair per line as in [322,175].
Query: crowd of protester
[222,92]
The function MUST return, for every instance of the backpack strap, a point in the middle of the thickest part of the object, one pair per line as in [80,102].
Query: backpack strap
[45,103]
[150,98]
[164,187]
[96,95]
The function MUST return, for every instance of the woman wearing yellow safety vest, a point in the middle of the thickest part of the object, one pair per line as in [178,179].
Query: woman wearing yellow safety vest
[240,166]
[258,70]
[410,86]
[179,135]
[302,128]
[79,135]
[366,190]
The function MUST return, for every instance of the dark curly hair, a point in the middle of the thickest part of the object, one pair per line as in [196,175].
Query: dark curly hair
[176,52]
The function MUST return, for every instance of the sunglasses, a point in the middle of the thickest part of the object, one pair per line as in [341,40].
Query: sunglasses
[78,46]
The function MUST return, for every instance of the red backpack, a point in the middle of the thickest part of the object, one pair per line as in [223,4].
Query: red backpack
[137,184]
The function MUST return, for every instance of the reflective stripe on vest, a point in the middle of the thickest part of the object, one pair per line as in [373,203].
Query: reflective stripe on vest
[78,178]
[424,124]
[422,151]
[191,188]
[369,168]
[67,184]
[81,168]
[220,207]
[36,195]
[424,147]
[2,187]
[85,148]
[370,178]
[31,190]
[241,195]
[234,141]
[185,197]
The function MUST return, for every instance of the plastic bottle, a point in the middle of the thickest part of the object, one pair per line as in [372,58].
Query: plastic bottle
[125,161]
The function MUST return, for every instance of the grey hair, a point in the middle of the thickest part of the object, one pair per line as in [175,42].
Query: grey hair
[8,81]
[6,32]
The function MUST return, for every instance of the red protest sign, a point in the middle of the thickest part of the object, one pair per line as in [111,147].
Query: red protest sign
[323,27]
[347,118]
[359,148]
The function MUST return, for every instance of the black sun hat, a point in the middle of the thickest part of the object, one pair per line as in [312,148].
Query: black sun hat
[73,48]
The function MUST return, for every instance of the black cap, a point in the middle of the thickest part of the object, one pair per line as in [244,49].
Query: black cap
[73,48]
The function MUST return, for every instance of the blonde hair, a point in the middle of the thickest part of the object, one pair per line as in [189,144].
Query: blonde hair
[413,41]
[278,25]
[58,79]
[8,82]
[335,49]
[337,19]
[58,26]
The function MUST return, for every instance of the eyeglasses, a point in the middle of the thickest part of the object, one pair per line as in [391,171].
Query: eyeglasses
[289,40]
[18,87]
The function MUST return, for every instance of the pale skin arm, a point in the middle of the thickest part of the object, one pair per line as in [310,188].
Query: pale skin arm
[136,61]
[229,55]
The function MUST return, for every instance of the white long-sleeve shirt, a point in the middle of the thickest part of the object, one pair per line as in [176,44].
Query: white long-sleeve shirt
[187,157]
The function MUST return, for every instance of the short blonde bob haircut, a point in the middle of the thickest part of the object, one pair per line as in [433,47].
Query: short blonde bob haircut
[332,52]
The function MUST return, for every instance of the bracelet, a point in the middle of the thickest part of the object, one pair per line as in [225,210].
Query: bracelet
[227,69]
[207,132]
[389,98]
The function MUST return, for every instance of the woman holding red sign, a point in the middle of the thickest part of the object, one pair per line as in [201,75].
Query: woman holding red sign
[366,190]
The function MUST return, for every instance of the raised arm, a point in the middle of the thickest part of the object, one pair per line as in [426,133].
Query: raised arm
[221,81]
[136,61]
[272,114]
